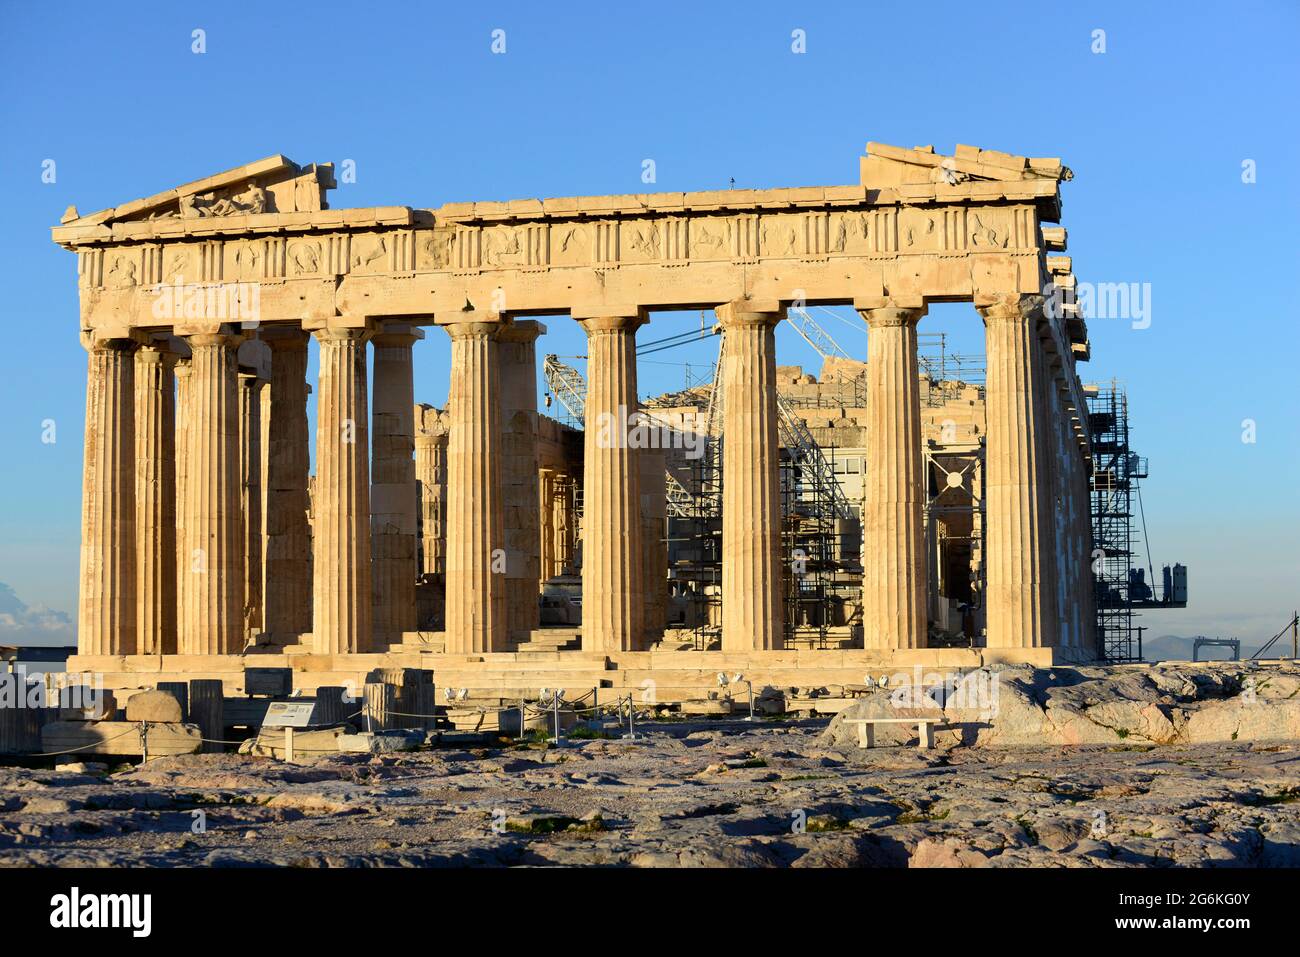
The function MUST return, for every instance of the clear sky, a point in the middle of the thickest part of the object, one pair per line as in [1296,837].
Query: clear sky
[1156,128]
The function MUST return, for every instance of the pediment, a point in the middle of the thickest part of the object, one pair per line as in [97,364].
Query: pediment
[272,185]
[887,166]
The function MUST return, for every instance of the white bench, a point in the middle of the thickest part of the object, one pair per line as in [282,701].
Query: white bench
[867,729]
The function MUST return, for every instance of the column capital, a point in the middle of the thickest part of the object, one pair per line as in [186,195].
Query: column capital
[596,325]
[599,324]
[190,331]
[608,311]
[101,340]
[749,312]
[397,334]
[344,330]
[1015,307]
[284,338]
[889,310]
[521,330]
[157,352]
[472,329]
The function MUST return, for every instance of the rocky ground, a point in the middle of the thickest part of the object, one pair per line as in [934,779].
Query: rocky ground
[722,793]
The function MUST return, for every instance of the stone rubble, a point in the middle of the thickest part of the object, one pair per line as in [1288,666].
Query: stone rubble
[691,794]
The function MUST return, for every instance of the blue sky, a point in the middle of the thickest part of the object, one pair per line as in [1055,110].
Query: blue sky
[1156,129]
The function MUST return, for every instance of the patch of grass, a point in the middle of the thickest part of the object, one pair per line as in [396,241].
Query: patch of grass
[584,733]
[753,763]
[825,822]
[1029,830]
[809,777]
[1285,796]
[1121,733]
[922,817]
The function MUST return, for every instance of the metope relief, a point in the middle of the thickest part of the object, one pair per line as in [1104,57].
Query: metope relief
[433,250]
[369,255]
[643,243]
[570,245]
[304,258]
[710,238]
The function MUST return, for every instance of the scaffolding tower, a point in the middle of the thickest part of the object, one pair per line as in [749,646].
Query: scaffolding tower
[1117,470]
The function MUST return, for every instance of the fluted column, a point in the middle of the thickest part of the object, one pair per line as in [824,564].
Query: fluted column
[1021,608]
[476,595]
[393,496]
[612,585]
[182,374]
[210,614]
[894,557]
[341,596]
[250,485]
[563,520]
[654,543]
[546,522]
[155,499]
[518,356]
[1087,596]
[106,609]
[431,474]
[287,601]
[1054,549]
[753,616]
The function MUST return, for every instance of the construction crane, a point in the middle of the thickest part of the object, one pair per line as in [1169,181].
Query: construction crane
[803,448]
[570,388]
[566,384]
[813,334]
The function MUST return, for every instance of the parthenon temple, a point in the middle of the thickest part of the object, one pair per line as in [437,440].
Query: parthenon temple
[797,527]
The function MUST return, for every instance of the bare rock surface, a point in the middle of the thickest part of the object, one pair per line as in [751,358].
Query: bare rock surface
[1020,706]
[719,793]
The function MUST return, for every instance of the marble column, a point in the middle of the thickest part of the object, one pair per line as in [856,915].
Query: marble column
[612,583]
[564,522]
[393,496]
[210,614]
[753,617]
[431,474]
[654,542]
[106,609]
[1054,549]
[1087,583]
[476,593]
[546,522]
[250,485]
[517,351]
[182,374]
[155,499]
[287,602]
[1049,472]
[894,557]
[264,476]
[341,595]
[1020,606]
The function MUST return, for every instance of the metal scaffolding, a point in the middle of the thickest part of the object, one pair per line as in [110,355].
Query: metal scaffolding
[1116,472]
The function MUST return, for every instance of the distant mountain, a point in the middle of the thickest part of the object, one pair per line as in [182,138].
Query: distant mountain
[21,624]
[1177,648]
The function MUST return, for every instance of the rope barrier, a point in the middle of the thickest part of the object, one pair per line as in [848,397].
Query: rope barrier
[86,747]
